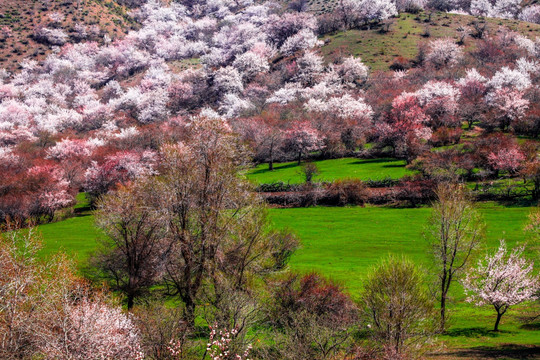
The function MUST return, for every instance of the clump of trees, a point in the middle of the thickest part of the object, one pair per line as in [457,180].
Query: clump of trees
[197,228]
[312,316]
[47,311]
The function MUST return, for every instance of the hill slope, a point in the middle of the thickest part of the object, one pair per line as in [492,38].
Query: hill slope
[379,48]
[20,18]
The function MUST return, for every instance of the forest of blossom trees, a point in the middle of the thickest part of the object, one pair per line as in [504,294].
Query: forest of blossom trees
[92,116]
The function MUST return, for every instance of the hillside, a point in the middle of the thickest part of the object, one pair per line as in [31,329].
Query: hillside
[20,18]
[378,48]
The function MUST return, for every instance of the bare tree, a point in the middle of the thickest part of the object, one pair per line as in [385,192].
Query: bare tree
[456,230]
[131,255]
[252,251]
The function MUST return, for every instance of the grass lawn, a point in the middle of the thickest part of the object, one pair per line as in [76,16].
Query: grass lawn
[343,243]
[76,236]
[364,169]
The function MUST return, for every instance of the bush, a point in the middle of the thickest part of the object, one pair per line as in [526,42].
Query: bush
[50,36]
[314,317]
[161,326]
[400,64]
[415,191]
[275,187]
[347,192]
[398,305]
[328,23]
[299,198]
[382,183]
[309,170]
[446,136]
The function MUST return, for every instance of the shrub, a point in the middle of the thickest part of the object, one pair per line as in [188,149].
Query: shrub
[397,304]
[400,64]
[50,36]
[446,136]
[315,316]
[347,192]
[415,191]
[279,186]
[381,183]
[160,327]
[309,170]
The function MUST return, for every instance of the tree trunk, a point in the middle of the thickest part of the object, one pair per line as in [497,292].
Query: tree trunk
[271,162]
[130,301]
[536,190]
[299,158]
[189,313]
[444,291]
[499,316]
[443,313]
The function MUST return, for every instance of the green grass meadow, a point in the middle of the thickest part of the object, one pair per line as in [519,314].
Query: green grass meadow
[329,170]
[75,236]
[343,243]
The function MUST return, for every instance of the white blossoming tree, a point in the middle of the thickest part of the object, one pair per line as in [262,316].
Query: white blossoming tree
[501,280]
[444,53]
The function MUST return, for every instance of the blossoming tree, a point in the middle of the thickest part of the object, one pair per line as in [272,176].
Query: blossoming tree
[502,280]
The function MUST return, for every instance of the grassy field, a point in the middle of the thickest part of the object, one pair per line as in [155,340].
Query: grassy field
[343,243]
[364,169]
[76,236]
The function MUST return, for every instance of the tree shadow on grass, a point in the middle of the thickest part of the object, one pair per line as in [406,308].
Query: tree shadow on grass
[80,215]
[533,326]
[508,351]
[276,167]
[518,203]
[82,211]
[393,166]
[472,332]
[376,161]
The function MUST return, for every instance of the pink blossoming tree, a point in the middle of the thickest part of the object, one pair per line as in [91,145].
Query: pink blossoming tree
[510,160]
[502,280]
[302,138]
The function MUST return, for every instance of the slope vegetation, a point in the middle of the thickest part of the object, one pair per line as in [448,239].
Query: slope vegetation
[20,18]
[380,46]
